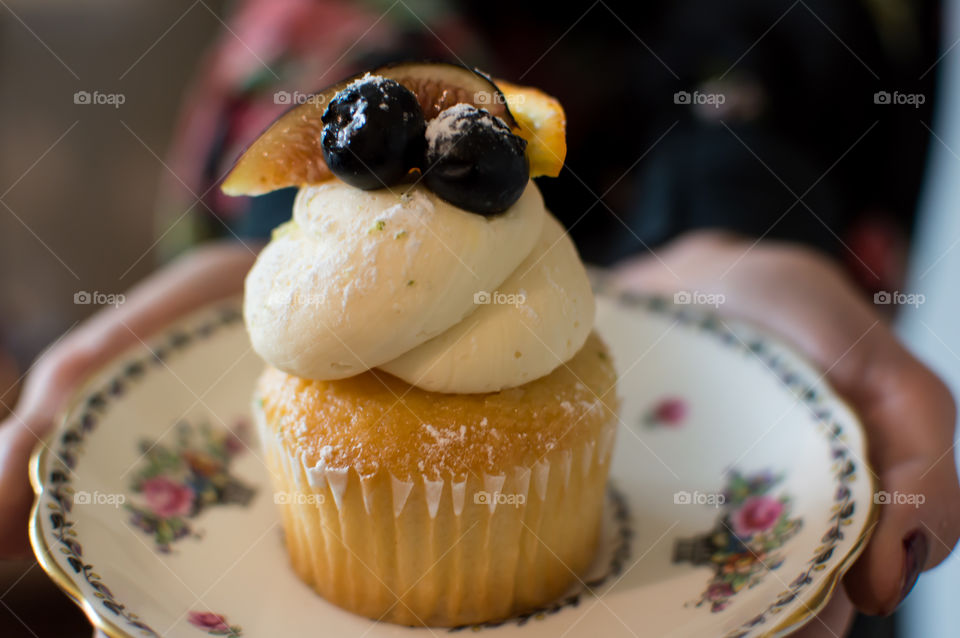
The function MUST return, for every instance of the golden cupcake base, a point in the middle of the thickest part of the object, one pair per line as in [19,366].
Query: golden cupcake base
[440,547]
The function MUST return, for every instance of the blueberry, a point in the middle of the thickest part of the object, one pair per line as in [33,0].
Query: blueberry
[474,161]
[373,133]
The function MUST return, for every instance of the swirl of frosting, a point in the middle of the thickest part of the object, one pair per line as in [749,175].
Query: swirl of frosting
[536,320]
[361,277]
[445,299]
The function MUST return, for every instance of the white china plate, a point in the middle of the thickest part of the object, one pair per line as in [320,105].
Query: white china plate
[739,492]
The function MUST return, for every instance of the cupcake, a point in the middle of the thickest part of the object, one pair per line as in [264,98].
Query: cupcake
[437,414]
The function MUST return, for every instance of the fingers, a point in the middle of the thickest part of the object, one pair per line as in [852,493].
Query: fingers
[911,449]
[206,275]
[47,388]
[203,276]
[48,385]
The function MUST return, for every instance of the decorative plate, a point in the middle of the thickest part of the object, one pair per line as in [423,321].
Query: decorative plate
[739,492]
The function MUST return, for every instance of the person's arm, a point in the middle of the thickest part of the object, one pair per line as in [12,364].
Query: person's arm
[212,272]
[908,412]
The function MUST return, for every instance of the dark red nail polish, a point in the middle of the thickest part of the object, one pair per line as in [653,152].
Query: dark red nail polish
[915,557]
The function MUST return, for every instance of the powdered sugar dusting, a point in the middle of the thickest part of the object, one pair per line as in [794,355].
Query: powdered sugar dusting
[325,453]
[442,129]
[368,78]
[359,113]
[357,121]
[447,436]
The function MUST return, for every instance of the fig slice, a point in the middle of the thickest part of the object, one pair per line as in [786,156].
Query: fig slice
[288,153]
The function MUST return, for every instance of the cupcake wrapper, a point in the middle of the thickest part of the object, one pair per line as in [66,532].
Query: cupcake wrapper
[442,552]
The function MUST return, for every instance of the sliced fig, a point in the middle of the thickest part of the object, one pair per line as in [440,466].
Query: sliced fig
[439,85]
[289,152]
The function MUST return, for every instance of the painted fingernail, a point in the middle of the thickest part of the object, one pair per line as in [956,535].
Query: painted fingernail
[915,557]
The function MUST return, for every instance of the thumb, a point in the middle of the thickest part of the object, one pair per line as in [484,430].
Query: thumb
[46,390]
[915,532]
[911,440]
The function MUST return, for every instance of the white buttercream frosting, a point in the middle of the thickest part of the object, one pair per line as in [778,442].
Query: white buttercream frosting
[445,299]
[533,322]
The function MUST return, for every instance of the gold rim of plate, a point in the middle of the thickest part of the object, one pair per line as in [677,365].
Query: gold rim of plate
[46,559]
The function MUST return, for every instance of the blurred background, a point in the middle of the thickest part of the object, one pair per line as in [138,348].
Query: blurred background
[92,194]
[78,190]
[79,182]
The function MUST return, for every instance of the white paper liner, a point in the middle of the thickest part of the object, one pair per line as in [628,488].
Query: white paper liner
[541,474]
[401,490]
[458,494]
[433,491]
[367,487]
[316,477]
[492,485]
[566,459]
[589,449]
[605,444]
[523,481]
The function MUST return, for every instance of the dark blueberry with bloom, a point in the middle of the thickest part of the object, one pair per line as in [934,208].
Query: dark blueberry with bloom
[474,161]
[373,133]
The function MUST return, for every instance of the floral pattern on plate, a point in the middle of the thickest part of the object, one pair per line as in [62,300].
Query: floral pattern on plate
[176,483]
[743,545]
[670,412]
[214,624]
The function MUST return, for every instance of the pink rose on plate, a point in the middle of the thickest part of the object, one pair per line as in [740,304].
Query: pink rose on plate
[167,498]
[209,621]
[757,514]
[670,411]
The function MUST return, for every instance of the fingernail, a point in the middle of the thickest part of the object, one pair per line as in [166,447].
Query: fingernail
[915,557]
